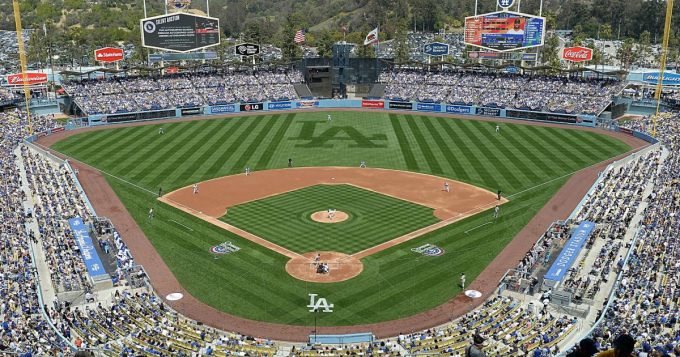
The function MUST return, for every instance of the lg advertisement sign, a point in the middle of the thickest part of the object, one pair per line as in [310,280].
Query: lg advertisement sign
[31,79]
[108,54]
[577,54]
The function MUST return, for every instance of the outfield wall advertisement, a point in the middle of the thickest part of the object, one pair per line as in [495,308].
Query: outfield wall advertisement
[565,118]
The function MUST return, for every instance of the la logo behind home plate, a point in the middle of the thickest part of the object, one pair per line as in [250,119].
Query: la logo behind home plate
[321,302]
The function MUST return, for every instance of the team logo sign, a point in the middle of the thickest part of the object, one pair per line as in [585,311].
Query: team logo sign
[506,3]
[224,248]
[178,4]
[319,303]
[428,250]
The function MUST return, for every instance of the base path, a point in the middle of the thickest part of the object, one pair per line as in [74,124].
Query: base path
[107,204]
[218,194]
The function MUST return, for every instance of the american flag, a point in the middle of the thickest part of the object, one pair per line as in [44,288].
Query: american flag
[300,36]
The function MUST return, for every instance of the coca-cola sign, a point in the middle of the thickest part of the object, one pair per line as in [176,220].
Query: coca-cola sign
[32,78]
[108,54]
[577,54]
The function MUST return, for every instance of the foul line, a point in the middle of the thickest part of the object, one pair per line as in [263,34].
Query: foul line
[172,220]
[481,225]
[357,255]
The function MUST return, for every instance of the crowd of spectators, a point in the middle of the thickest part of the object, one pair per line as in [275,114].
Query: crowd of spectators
[7,95]
[22,327]
[57,199]
[647,301]
[129,94]
[538,93]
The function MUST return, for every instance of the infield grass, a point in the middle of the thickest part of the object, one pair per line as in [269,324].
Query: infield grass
[395,282]
[373,218]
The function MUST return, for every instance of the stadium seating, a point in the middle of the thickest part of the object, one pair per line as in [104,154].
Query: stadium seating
[130,94]
[538,93]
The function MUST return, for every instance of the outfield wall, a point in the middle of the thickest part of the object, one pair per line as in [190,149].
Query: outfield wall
[562,118]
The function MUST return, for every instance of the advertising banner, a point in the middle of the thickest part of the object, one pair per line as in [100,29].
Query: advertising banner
[108,54]
[223,109]
[570,251]
[56,130]
[192,111]
[279,105]
[436,49]
[247,49]
[307,104]
[33,78]
[251,107]
[180,32]
[372,104]
[509,56]
[490,112]
[195,56]
[511,69]
[672,79]
[80,234]
[577,54]
[458,109]
[400,105]
[504,31]
[115,118]
[626,131]
[41,135]
[429,107]
[559,118]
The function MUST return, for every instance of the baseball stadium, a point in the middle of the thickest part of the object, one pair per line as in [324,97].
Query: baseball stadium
[212,199]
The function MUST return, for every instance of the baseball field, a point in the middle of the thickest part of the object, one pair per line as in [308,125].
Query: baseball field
[528,163]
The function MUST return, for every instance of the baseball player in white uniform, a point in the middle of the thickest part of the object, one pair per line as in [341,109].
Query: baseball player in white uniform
[329,118]
[446,187]
[247,171]
[495,212]
[498,128]
[151,213]
[362,164]
[195,188]
[160,130]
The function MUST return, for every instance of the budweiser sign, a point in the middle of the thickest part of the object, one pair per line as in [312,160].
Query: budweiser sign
[577,54]
[31,79]
[108,54]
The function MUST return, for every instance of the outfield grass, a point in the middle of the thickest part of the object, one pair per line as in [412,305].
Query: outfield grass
[373,218]
[395,282]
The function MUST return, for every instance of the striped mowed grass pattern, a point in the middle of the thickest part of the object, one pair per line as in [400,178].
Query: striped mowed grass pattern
[395,282]
[519,157]
[373,218]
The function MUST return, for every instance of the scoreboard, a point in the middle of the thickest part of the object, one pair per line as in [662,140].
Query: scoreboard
[504,31]
[180,32]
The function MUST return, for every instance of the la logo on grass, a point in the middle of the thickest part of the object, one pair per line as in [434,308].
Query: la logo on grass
[336,133]
[320,303]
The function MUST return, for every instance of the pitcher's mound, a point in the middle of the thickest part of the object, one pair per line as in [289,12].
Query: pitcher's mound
[322,217]
[340,267]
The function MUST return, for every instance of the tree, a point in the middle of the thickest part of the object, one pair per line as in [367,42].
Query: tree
[625,53]
[400,43]
[549,52]
[253,33]
[294,22]
[606,31]
[644,46]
